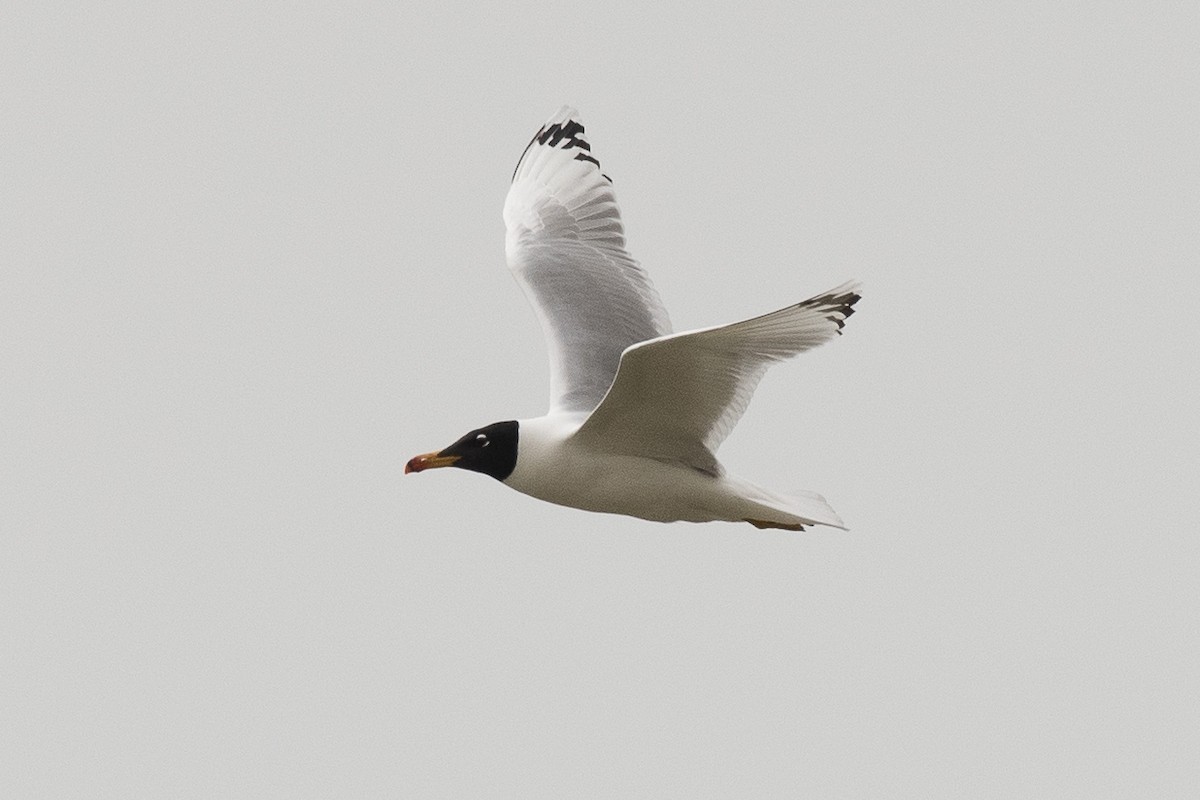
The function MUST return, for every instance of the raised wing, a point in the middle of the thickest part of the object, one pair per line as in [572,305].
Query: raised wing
[676,398]
[566,248]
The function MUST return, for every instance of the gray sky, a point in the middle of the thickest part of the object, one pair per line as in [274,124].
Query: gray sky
[252,261]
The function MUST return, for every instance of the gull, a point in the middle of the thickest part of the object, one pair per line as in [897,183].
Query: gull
[636,412]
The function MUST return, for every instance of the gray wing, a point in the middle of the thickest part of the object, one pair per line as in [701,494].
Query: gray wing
[676,398]
[566,248]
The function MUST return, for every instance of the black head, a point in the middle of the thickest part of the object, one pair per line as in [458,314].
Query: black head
[491,450]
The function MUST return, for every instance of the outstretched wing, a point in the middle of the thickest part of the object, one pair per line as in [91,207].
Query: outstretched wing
[566,248]
[677,397]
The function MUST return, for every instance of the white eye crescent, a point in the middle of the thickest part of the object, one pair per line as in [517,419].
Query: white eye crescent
[482,438]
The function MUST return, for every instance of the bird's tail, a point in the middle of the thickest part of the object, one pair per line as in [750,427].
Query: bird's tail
[794,511]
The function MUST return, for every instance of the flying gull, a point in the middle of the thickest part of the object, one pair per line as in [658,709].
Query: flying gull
[636,412]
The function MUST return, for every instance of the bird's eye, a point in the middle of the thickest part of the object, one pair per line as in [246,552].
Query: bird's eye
[482,440]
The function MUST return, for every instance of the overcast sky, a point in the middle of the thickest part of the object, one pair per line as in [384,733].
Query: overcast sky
[251,261]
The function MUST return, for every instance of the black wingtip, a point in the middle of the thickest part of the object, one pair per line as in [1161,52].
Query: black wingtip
[839,307]
[565,135]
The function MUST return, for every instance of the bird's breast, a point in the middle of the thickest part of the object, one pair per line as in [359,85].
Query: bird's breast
[567,474]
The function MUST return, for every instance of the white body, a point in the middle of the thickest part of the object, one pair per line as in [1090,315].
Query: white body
[555,467]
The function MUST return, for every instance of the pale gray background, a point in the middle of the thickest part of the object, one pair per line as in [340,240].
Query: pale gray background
[251,260]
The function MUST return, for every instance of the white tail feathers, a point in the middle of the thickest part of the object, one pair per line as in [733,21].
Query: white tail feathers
[767,509]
